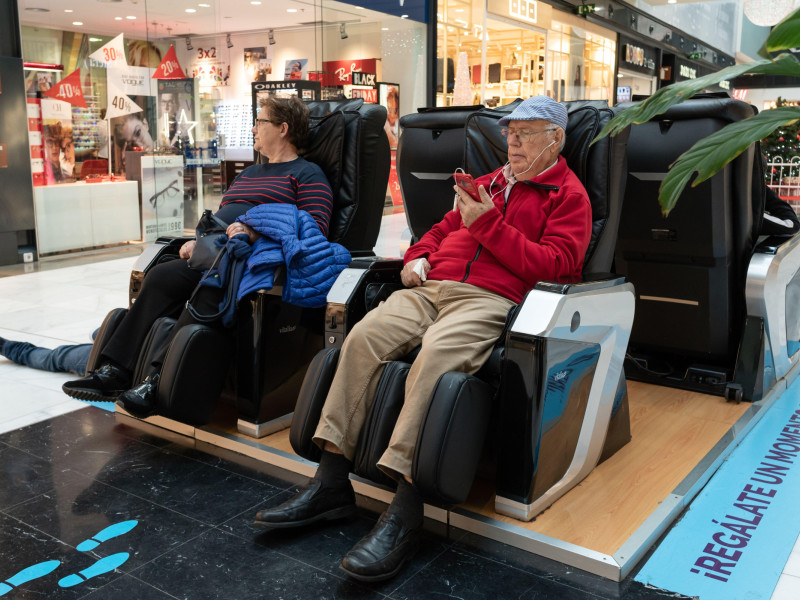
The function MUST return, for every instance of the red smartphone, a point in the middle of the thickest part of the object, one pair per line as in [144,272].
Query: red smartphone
[467,183]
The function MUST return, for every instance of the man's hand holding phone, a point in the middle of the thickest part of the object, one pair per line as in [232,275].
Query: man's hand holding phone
[467,183]
[471,207]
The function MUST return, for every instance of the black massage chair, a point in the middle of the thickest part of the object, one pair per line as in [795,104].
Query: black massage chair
[553,389]
[275,341]
[716,310]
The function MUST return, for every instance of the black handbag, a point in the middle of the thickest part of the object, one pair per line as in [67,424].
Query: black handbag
[205,250]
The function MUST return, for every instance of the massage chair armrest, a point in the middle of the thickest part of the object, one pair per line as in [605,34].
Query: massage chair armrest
[561,347]
[357,290]
[377,263]
[589,282]
[158,250]
[277,284]
[771,289]
[772,243]
[163,249]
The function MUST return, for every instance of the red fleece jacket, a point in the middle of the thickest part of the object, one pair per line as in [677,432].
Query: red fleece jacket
[540,235]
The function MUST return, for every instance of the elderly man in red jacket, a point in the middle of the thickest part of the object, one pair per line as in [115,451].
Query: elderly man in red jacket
[532,222]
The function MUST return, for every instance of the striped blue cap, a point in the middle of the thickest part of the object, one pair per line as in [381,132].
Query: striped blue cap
[539,107]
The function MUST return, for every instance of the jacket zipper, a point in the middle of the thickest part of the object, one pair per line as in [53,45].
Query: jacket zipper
[477,254]
[480,247]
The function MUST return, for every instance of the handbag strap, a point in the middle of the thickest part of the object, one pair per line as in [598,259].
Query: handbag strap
[210,317]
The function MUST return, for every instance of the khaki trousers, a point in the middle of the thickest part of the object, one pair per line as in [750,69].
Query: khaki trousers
[457,324]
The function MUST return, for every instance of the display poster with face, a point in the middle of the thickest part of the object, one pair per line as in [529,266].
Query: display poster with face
[135,131]
[38,81]
[389,96]
[162,195]
[296,68]
[176,113]
[59,151]
[257,63]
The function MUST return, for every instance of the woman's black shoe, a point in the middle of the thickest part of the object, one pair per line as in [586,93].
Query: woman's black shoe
[102,385]
[315,503]
[383,551]
[140,401]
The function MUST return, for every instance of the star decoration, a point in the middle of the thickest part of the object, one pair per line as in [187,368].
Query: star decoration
[183,129]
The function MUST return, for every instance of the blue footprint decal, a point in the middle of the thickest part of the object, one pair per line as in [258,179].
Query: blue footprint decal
[106,534]
[28,574]
[104,565]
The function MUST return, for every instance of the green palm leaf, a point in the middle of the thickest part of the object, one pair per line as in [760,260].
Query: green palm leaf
[666,97]
[784,35]
[709,155]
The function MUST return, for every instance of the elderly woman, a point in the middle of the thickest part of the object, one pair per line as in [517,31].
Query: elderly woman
[278,131]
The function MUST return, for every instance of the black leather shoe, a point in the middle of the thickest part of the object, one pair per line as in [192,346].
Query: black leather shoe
[383,551]
[102,385]
[315,503]
[140,401]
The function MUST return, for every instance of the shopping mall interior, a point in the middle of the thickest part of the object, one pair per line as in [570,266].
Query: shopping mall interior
[633,433]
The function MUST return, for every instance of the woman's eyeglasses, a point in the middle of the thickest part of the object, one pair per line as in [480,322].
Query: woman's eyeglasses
[257,121]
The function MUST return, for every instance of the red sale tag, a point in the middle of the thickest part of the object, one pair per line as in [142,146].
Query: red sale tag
[68,90]
[169,67]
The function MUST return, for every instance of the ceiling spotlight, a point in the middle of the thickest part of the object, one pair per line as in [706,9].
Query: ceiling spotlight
[189,43]
[342,31]
[228,41]
[271,36]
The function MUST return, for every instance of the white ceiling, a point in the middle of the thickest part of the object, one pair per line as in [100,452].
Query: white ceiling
[155,19]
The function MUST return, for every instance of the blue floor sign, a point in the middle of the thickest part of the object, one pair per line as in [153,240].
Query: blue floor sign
[738,533]
[99,567]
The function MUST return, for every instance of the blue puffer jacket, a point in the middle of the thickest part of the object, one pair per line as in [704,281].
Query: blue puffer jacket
[293,238]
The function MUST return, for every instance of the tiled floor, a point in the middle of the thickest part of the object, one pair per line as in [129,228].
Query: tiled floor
[70,477]
[69,471]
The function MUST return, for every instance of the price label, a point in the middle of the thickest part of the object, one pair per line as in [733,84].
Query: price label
[121,103]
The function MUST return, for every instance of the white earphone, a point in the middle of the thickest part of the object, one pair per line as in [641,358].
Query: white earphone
[535,159]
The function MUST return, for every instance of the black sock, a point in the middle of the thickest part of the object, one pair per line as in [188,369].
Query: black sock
[333,470]
[407,505]
[2,345]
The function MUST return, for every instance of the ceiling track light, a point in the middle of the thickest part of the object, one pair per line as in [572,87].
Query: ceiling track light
[271,36]
[342,31]
[228,41]
[189,43]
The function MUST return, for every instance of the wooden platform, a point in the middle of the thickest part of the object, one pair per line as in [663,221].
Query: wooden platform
[672,430]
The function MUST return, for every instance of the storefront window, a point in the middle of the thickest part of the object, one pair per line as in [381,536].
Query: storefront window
[582,63]
[494,51]
[158,110]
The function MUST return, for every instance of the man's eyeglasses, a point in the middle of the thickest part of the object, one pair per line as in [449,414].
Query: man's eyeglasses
[523,135]
[257,121]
